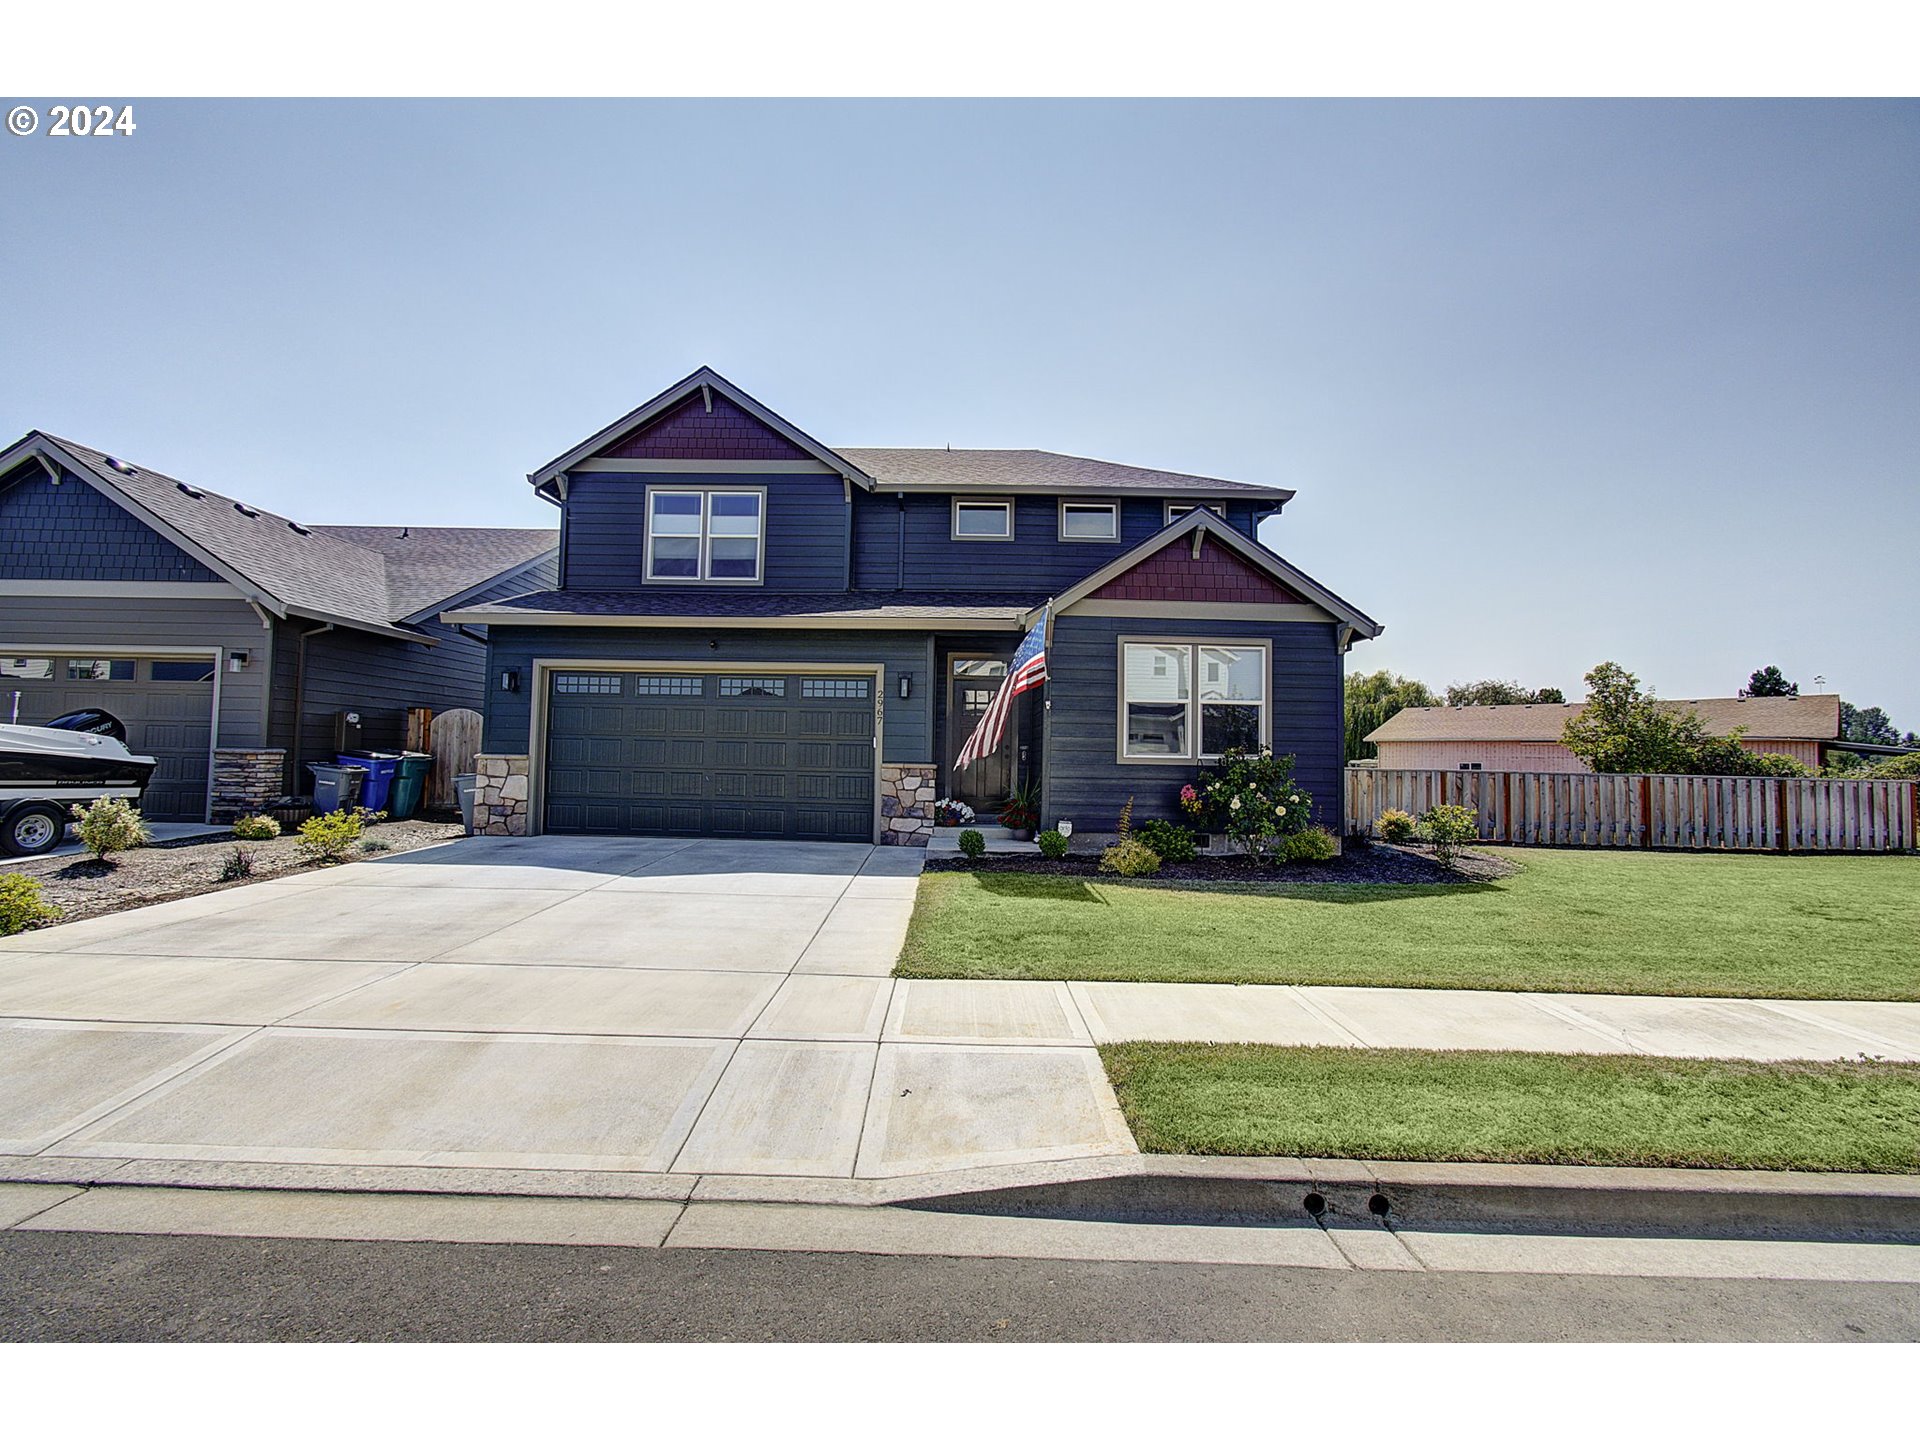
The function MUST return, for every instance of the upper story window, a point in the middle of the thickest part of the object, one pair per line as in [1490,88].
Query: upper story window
[1182,700]
[1089,520]
[706,536]
[1175,511]
[982,519]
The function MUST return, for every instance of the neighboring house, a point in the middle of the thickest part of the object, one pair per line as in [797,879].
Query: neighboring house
[230,640]
[756,635]
[1527,737]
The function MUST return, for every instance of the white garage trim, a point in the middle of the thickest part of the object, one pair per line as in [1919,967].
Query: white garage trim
[150,652]
[543,669]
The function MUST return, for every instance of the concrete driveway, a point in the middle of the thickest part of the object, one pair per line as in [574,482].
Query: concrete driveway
[685,1008]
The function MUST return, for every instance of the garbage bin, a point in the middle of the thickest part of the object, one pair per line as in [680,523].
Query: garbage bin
[380,766]
[409,784]
[336,787]
[463,786]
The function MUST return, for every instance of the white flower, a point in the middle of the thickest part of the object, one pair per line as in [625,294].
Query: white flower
[1279,809]
[1236,803]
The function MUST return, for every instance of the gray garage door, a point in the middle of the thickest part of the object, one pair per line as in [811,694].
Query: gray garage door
[166,705]
[784,757]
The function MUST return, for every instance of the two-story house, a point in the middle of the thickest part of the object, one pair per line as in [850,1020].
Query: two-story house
[757,635]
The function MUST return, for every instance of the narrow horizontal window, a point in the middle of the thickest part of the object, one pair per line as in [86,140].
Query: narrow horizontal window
[1081,520]
[586,684]
[683,685]
[199,671]
[99,669]
[833,689]
[1174,512]
[16,667]
[753,685]
[983,519]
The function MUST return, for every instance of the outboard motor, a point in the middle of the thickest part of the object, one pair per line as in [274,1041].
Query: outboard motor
[90,722]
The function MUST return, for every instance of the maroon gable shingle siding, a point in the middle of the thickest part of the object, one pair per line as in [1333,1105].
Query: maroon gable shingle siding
[690,432]
[1171,573]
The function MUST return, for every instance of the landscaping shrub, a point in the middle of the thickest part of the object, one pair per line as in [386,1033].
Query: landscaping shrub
[972,844]
[326,839]
[1313,845]
[374,845]
[1129,857]
[237,866]
[1167,840]
[1251,795]
[1396,826]
[1053,844]
[256,827]
[107,826]
[1446,828]
[1900,767]
[21,906]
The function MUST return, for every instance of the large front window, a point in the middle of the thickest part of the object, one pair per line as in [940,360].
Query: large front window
[1191,701]
[699,536]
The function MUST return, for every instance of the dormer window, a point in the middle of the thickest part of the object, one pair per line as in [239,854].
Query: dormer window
[705,537]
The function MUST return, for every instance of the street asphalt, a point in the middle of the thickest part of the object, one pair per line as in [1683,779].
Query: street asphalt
[81,1287]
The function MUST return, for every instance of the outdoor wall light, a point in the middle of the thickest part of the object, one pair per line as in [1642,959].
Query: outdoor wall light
[510,681]
[1065,827]
[237,659]
[906,686]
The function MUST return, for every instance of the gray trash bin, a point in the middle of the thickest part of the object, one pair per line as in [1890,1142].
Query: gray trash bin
[336,787]
[463,787]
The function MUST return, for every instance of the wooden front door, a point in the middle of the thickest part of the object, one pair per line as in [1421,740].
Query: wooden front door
[973,681]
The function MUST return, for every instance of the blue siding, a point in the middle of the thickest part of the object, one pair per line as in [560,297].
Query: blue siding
[1083,783]
[606,519]
[1035,559]
[71,531]
[908,732]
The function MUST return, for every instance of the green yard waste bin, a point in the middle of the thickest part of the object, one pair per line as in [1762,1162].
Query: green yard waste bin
[410,784]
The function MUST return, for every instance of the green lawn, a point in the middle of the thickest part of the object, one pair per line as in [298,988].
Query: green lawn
[1800,926]
[1545,1109]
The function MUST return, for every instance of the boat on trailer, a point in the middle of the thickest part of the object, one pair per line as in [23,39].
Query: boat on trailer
[46,768]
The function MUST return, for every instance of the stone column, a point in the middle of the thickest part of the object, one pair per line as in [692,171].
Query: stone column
[906,803]
[243,781]
[500,795]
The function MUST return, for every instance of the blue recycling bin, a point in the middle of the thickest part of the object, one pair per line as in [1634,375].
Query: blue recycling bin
[381,766]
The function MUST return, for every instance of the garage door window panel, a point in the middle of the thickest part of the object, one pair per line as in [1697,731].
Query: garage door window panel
[99,670]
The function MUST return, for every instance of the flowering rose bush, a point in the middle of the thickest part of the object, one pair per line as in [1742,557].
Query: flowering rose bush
[1251,795]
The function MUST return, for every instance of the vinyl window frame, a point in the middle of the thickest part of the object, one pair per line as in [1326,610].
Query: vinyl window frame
[1194,644]
[706,537]
[1004,504]
[1175,509]
[1112,507]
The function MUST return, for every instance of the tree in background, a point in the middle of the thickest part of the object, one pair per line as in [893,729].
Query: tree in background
[1769,681]
[1625,731]
[1872,727]
[1502,692]
[1374,699]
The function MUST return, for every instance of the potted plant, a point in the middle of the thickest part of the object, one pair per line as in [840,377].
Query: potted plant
[948,811]
[1021,813]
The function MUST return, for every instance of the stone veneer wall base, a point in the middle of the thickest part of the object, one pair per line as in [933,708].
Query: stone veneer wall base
[906,803]
[500,795]
[243,781]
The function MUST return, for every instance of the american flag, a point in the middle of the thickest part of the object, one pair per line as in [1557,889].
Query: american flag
[1027,669]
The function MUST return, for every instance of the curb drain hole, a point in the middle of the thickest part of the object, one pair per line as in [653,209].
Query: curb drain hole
[1316,1203]
[1378,1206]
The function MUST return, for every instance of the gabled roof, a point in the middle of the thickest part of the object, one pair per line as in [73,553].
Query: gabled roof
[550,479]
[872,609]
[1043,470]
[1190,529]
[1767,717]
[341,574]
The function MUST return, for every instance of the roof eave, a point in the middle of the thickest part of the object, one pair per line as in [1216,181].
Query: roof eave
[455,598]
[488,615]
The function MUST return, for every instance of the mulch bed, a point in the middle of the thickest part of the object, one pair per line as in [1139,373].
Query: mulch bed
[1375,864]
[83,887]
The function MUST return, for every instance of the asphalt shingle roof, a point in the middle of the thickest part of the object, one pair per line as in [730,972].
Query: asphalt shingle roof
[360,574]
[1030,469]
[1769,717]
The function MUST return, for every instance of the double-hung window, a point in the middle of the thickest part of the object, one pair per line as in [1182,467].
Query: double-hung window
[706,536]
[1187,700]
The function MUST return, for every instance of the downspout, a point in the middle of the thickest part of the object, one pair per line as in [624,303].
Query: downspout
[900,543]
[300,697]
[846,489]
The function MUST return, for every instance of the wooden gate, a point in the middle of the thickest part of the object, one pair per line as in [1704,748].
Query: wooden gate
[454,741]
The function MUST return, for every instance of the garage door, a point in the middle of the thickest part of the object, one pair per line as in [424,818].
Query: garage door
[783,757]
[166,705]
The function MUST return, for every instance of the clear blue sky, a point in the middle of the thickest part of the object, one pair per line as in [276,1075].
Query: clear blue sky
[1556,382]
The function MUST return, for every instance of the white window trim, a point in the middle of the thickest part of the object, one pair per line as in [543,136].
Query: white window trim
[705,537]
[1174,509]
[981,502]
[1112,507]
[1194,644]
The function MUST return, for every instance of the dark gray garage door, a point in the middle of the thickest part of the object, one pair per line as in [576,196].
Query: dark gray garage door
[787,757]
[166,705]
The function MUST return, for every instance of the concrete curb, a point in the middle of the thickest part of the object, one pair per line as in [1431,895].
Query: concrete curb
[1198,1189]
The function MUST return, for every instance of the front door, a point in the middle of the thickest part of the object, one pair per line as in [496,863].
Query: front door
[973,682]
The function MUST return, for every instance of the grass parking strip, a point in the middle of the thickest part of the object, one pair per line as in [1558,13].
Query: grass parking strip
[1852,1116]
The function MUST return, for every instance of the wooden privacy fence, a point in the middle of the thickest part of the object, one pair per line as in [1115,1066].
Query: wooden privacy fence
[1665,812]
